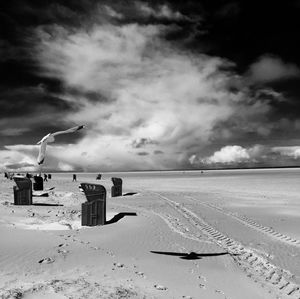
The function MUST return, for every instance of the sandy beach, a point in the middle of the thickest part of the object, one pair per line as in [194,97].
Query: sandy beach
[218,234]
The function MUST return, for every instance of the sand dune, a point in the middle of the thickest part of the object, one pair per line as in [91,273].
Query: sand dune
[176,235]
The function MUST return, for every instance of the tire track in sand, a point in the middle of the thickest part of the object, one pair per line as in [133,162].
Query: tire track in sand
[256,266]
[251,223]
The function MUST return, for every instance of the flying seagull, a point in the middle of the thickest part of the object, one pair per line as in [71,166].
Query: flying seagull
[50,138]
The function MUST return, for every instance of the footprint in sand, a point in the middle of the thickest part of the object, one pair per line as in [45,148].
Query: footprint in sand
[95,248]
[141,274]
[63,251]
[119,265]
[47,260]
[110,253]
[202,286]
[83,242]
[160,287]
[202,277]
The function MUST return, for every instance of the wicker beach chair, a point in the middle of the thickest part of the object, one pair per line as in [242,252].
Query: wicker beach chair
[93,212]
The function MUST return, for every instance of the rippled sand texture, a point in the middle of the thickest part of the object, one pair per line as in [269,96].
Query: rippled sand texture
[216,234]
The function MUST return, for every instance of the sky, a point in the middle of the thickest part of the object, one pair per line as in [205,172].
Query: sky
[159,85]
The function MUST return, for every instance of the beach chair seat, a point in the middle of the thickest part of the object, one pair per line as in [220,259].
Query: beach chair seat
[23,191]
[116,189]
[38,184]
[93,212]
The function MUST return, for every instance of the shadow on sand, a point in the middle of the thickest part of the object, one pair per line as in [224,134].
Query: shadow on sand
[47,204]
[191,255]
[129,193]
[119,216]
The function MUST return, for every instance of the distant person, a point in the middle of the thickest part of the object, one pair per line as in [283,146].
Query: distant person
[45,178]
[49,176]
[6,175]
[74,178]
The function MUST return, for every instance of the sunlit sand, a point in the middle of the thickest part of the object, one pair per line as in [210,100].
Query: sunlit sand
[216,234]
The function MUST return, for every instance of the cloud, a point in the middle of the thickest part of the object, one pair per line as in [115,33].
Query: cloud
[143,153]
[289,151]
[65,167]
[228,154]
[233,155]
[17,166]
[158,152]
[161,12]
[135,89]
[26,112]
[13,131]
[229,10]
[270,68]
[152,91]
[112,13]
[17,158]
[142,142]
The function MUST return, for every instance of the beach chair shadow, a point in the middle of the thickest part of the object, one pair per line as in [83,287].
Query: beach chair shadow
[47,204]
[119,216]
[130,193]
[190,255]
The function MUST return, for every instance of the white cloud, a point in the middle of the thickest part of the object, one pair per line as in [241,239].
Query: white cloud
[148,90]
[289,151]
[65,167]
[271,68]
[228,154]
[17,158]
[232,154]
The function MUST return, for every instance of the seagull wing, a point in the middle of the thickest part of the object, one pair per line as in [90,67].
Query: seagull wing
[42,152]
[50,138]
[71,130]
[45,138]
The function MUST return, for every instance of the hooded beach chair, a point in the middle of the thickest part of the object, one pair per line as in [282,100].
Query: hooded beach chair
[93,212]
[116,189]
[22,191]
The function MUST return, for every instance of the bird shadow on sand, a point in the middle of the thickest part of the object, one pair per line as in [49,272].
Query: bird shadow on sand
[47,204]
[190,255]
[119,216]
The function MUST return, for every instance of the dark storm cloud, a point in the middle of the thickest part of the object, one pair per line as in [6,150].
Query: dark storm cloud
[25,110]
[30,100]
[228,10]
